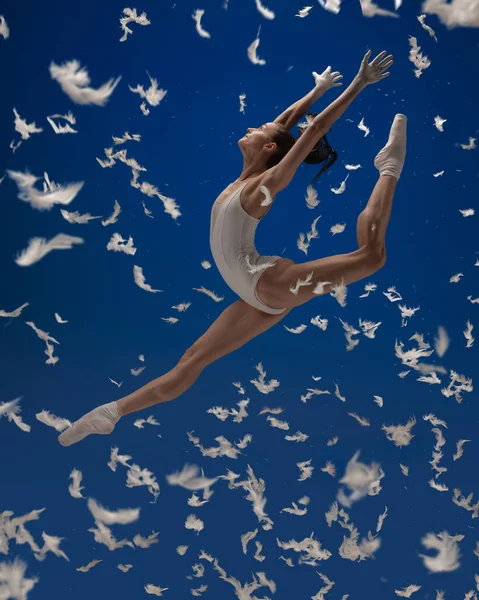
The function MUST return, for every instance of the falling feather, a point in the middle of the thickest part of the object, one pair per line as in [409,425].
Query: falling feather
[58,423]
[456,277]
[364,127]
[62,129]
[52,193]
[75,488]
[118,244]
[416,57]
[140,280]
[303,242]
[155,590]
[197,17]
[268,199]
[471,145]
[447,557]
[459,449]
[370,9]
[113,218]
[441,341]
[23,128]
[340,292]
[5,33]
[15,313]
[439,123]
[468,334]
[392,295]
[422,19]
[341,188]
[108,517]
[408,591]
[153,95]
[13,583]
[124,568]
[39,247]
[252,48]
[400,434]
[333,6]
[136,137]
[338,228]
[150,420]
[76,217]
[74,81]
[361,420]
[131,16]
[89,566]
[136,372]
[304,12]
[209,293]
[265,12]
[368,288]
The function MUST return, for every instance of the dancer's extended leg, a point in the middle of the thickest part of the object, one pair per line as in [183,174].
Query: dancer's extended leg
[372,223]
[237,325]
[103,419]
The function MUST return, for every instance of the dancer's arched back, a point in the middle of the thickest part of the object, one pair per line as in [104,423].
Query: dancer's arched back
[269,295]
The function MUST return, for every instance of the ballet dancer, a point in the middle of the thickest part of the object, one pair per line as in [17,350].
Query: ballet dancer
[271,156]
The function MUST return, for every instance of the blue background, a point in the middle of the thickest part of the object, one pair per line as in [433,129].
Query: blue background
[189,146]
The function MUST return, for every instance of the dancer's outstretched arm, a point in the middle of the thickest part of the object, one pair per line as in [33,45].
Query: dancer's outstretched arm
[279,176]
[368,73]
[296,111]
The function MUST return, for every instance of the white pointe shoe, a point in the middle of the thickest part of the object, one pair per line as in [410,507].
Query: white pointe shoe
[101,420]
[390,160]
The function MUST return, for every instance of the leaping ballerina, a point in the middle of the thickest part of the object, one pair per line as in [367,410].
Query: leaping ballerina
[271,157]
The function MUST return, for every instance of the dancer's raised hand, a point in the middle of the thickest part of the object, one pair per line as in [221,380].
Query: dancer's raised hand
[327,79]
[374,71]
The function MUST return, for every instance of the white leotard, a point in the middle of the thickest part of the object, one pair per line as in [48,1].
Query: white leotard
[232,234]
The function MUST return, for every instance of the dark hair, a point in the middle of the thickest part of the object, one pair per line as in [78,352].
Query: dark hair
[285,140]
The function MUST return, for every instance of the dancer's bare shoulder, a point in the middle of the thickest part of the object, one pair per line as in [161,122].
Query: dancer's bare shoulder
[251,195]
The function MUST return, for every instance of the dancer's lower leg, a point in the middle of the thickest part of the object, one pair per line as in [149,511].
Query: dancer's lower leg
[373,221]
[103,419]
[162,389]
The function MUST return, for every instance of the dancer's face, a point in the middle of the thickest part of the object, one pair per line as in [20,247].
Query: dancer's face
[257,137]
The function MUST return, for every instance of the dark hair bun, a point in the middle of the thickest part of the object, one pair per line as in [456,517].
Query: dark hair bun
[321,153]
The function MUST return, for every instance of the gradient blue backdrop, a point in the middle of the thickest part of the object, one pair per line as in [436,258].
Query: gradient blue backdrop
[189,146]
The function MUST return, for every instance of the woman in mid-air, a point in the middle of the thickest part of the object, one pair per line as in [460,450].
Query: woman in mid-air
[271,156]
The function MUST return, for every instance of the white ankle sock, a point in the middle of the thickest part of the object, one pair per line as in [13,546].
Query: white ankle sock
[390,160]
[100,420]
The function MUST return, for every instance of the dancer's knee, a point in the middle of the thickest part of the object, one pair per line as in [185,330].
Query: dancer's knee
[376,256]
[194,358]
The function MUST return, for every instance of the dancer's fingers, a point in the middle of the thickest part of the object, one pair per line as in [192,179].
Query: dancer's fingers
[366,57]
[386,58]
[385,75]
[379,57]
[384,66]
